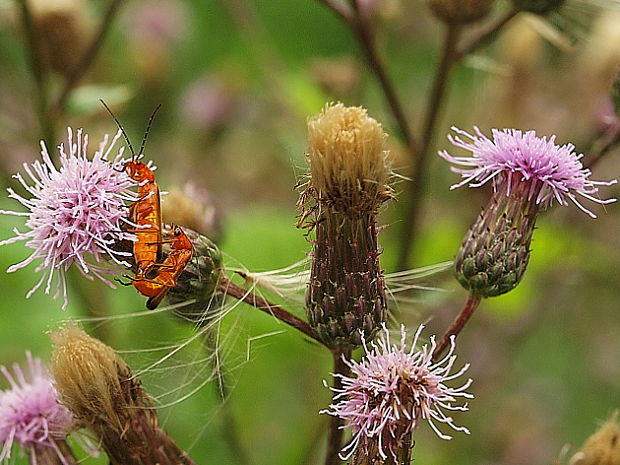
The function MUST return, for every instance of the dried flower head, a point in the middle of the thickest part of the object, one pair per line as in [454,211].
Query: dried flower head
[30,414]
[392,390]
[603,447]
[528,173]
[75,212]
[348,182]
[104,395]
[547,170]
[349,169]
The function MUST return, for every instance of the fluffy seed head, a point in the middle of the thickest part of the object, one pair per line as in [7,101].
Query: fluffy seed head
[75,212]
[392,390]
[603,447]
[30,414]
[349,169]
[90,376]
[550,171]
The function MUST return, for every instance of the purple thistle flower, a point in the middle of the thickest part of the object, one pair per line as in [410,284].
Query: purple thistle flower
[549,171]
[75,211]
[392,390]
[30,414]
[528,174]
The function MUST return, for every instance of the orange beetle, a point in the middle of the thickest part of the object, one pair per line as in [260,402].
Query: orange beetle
[146,212]
[167,272]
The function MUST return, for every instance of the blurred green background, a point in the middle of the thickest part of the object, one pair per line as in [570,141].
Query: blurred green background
[237,80]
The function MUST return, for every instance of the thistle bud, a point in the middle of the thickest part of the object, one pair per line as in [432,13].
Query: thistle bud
[106,397]
[199,279]
[460,11]
[62,26]
[348,183]
[539,7]
[496,250]
[192,207]
[603,447]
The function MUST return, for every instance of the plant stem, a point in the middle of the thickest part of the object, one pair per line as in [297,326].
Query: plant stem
[361,28]
[226,286]
[457,325]
[601,146]
[433,106]
[88,57]
[335,433]
[38,73]
[485,34]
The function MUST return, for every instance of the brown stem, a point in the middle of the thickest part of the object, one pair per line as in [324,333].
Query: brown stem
[602,146]
[457,325]
[361,27]
[32,38]
[335,433]
[485,34]
[226,286]
[89,56]
[433,106]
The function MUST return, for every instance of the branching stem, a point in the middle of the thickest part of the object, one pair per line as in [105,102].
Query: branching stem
[88,57]
[226,286]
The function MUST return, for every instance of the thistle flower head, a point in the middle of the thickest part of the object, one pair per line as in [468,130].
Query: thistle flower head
[103,394]
[348,182]
[30,414]
[349,170]
[392,390]
[536,165]
[75,212]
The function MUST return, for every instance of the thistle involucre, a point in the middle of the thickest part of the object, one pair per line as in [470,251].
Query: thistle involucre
[348,183]
[75,212]
[528,173]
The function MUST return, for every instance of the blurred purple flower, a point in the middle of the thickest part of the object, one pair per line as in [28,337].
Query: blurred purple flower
[530,164]
[75,212]
[160,21]
[30,414]
[206,104]
[392,390]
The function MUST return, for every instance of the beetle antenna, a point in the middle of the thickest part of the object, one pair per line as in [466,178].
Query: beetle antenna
[148,128]
[133,153]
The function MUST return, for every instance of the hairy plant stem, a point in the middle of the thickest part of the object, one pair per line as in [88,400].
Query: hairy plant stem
[457,325]
[88,57]
[226,286]
[32,37]
[433,106]
[335,432]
